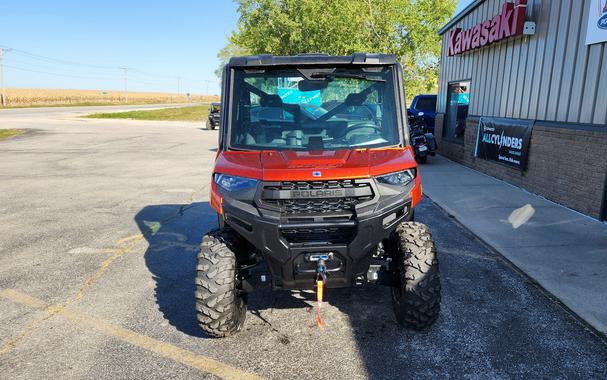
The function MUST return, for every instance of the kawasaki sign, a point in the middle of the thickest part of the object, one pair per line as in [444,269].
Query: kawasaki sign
[504,140]
[509,23]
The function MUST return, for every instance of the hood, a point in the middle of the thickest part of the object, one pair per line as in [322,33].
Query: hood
[290,165]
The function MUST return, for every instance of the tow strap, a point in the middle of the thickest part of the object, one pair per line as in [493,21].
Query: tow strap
[321,277]
[319,289]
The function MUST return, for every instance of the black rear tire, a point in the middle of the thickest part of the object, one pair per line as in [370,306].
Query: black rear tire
[416,295]
[422,160]
[220,308]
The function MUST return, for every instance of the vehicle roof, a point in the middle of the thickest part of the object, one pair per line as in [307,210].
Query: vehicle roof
[215,104]
[426,96]
[362,59]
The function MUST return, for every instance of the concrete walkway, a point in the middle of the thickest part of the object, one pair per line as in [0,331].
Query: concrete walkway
[563,250]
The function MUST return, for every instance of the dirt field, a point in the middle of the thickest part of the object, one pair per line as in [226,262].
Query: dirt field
[26,97]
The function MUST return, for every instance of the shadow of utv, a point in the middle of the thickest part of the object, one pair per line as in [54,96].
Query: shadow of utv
[174,234]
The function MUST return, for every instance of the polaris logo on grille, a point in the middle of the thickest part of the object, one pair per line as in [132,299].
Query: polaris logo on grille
[330,193]
[316,174]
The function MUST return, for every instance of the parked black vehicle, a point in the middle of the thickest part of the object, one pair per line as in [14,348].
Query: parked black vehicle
[424,106]
[423,142]
[214,116]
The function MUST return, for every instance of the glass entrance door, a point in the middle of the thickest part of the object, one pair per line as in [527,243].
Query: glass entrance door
[458,99]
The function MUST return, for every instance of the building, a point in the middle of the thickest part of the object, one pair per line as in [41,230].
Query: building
[523,96]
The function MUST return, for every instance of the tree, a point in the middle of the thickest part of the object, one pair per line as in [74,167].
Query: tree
[405,28]
[230,50]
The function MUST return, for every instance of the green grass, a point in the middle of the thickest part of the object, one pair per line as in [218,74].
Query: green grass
[6,133]
[194,113]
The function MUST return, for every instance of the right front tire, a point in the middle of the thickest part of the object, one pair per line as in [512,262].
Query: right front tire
[416,295]
[210,125]
[220,308]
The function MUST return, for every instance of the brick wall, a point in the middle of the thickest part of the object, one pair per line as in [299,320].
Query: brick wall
[567,163]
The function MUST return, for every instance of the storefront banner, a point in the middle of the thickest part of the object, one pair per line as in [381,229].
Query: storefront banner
[504,140]
[596,31]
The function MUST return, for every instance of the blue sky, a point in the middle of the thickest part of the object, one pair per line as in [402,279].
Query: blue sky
[461,4]
[158,40]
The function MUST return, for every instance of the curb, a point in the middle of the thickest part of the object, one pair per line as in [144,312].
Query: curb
[527,278]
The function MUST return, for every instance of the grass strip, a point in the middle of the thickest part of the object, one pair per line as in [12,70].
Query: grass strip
[193,113]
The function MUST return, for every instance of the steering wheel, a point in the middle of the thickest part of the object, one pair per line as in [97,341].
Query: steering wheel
[364,124]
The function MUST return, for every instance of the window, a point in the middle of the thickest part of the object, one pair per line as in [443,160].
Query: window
[332,108]
[426,104]
[458,98]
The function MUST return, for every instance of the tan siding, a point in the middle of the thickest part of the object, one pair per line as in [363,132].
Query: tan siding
[548,61]
[559,59]
[575,105]
[600,110]
[574,41]
[591,83]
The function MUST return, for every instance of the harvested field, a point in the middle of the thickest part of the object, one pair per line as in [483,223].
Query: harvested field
[31,97]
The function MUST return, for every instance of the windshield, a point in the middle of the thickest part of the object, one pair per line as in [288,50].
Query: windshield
[314,109]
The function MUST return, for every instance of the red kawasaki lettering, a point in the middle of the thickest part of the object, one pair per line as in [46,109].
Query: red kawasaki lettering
[494,33]
[510,22]
[453,33]
[466,39]
[518,21]
[485,33]
[506,20]
[476,36]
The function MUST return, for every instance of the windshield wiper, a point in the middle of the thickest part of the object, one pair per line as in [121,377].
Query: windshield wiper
[343,75]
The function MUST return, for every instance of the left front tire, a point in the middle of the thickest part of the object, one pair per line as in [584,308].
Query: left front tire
[220,307]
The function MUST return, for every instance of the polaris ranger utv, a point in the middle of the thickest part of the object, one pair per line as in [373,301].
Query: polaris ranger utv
[314,185]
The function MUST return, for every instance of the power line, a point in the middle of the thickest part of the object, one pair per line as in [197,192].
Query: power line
[60,75]
[127,72]
[114,78]
[61,61]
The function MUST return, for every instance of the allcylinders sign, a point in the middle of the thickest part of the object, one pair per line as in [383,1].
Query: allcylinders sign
[509,23]
[504,140]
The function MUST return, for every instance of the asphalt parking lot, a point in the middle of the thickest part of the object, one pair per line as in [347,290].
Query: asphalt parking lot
[100,222]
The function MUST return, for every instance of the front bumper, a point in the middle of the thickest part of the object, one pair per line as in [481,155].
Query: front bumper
[285,243]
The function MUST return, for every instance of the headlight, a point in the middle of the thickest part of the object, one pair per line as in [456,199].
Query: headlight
[399,178]
[233,183]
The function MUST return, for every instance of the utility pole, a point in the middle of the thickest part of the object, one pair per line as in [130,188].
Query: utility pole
[125,71]
[178,86]
[2,90]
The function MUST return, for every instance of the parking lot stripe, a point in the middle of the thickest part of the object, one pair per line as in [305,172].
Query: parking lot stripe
[166,350]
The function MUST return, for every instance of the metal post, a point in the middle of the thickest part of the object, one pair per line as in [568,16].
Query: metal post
[125,70]
[178,86]
[2,92]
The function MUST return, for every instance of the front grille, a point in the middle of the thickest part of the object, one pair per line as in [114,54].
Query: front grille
[311,206]
[331,235]
[355,192]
